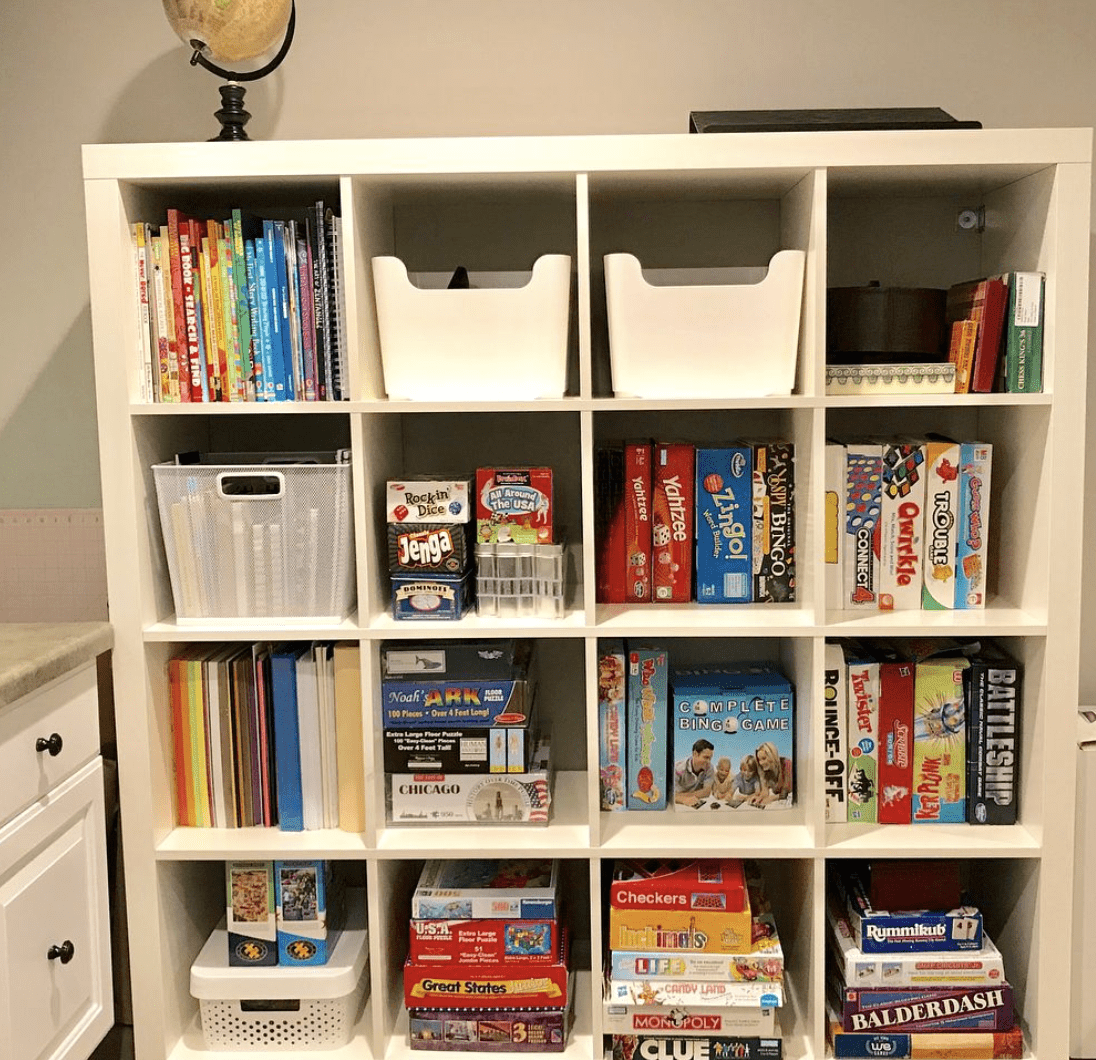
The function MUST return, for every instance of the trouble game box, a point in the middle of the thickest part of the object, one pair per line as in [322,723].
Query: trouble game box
[494,888]
[747,714]
[456,683]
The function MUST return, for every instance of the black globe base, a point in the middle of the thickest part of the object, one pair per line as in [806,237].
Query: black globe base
[232,115]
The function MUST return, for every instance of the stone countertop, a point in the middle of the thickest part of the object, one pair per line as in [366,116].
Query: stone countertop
[34,653]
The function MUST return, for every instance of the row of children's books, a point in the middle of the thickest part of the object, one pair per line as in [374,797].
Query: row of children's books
[677,522]
[907,523]
[921,731]
[268,735]
[240,309]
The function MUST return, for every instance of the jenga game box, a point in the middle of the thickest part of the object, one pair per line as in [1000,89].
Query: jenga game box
[673,509]
[514,504]
[939,742]
[507,983]
[699,906]
[637,522]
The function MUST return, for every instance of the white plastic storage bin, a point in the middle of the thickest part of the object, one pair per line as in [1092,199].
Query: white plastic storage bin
[703,339]
[257,538]
[499,342]
[283,1009]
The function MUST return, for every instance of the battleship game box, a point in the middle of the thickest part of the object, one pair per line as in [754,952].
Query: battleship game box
[489,888]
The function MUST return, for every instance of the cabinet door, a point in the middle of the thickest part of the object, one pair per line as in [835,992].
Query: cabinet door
[55,987]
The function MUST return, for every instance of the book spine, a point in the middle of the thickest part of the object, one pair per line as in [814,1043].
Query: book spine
[308,326]
[276,388]
[774,522]
[964,334]
[146,368]
[226,256]
[988,347]
[972,536]
[834,514]
[245,323]
[179,264]
[287,741]
[835,733]
[320,296]
[895,742]
[333,285]
[863,507]
[901,527]
[200,381]
[1024,334]
[993,741]
[292,307]
[637,522]
[612,725]
[863,713]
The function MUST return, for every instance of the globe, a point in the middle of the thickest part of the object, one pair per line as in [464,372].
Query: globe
[230,31]
[234,31]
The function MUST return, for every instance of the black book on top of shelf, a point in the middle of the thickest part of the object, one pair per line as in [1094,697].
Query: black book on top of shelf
[845,119]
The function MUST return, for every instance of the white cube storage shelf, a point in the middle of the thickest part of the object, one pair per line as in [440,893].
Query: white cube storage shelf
[703,339]
[854,207]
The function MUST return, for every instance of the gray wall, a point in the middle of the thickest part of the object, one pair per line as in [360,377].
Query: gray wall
[113,71]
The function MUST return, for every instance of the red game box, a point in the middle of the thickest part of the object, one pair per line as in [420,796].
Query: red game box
[710,885]
[514,504]
[448,942]
[673,506]
[509,983]
[637,522]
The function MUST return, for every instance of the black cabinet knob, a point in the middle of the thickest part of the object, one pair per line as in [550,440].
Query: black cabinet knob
[52,743]
[64,953]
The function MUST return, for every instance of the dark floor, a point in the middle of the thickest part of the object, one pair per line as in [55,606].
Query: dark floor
[117,1045]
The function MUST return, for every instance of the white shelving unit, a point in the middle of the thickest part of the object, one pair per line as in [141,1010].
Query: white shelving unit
[862,206]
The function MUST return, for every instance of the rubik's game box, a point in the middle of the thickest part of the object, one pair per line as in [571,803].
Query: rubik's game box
[497,888]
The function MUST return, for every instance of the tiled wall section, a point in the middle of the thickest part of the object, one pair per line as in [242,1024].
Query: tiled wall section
[52,565]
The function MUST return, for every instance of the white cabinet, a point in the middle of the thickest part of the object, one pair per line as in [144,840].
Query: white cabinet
[861,207]
[55,974]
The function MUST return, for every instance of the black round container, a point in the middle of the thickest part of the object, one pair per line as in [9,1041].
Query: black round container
[885,325]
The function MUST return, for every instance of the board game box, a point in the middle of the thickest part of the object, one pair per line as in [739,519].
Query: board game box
[692,1021]
[494,888]
[774,522]
[612,724]
[941,524]
[949,1008]
[486,798]
[665,1047]
[673,511]
[992,685]
[456,683]
[896,691]
[972,539]
[983,967]
[637,522]
[940,742]
[724,525]
[690,992]
[433,501]
[448,942]
[647,739]
[862,676]
[426,548]
[733,738]
[835,732]
[432,597]
[514,504]
[862,527]
[509,983]
[491,1030]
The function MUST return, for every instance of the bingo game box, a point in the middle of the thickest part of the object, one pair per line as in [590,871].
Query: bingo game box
[491,888]
[456,683]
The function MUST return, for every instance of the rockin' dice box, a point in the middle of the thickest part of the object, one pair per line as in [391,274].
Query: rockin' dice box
[433,501]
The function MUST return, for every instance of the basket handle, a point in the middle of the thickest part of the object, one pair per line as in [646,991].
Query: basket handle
[250,485]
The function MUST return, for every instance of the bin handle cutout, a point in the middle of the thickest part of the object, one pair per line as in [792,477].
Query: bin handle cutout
[250,485]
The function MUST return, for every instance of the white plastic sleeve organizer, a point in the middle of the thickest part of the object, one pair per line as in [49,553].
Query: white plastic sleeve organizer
[474,344]
[724,341]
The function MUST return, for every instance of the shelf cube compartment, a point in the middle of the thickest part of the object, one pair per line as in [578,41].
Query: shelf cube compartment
[258,540]
[694,334]
[505,341]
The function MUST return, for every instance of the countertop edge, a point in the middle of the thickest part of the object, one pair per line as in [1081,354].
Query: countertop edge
[34,653]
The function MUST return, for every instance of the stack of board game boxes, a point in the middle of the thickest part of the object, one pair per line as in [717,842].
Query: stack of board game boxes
[708,737]
[911,970]
[907,524]
[694,965]
[678,523]
[488,968]
[461,739]
[922,731]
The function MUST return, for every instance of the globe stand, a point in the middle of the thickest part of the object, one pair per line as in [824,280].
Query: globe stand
[232,115]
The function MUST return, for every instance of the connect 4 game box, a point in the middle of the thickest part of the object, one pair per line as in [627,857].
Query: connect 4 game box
[863,510]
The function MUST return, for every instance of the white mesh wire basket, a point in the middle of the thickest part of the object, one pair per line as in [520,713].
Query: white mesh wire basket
[258,540]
